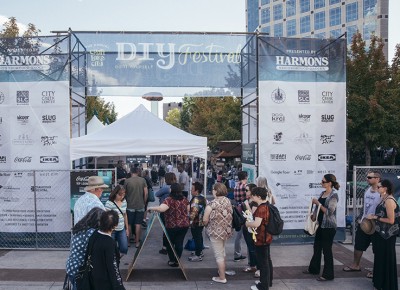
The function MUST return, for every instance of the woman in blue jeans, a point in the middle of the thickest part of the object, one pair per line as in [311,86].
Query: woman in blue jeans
[117,203]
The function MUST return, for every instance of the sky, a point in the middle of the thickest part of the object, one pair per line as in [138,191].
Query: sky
[144,15]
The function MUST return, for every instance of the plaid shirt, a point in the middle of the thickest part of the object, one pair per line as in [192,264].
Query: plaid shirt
[239,192]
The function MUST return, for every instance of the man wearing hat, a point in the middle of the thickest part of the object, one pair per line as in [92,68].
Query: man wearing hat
[363,236]
[90,199]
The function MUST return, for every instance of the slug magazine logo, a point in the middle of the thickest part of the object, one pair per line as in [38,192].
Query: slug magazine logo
[302,63]
[48,97]
[49,159]
[327,118]
[23,98]
[278,157]
[303,96]
[326,157]
[326,139]
[2,98]
[22,120]
[304,118]
[278,138]
[278,118]
[48,140]
[327,97]
[278,96]
[47,119]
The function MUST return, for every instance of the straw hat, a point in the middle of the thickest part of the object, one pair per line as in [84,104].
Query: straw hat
[368,226]
[95,182]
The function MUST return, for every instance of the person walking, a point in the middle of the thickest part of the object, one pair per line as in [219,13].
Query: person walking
[183,180]
[90,199]
[251,207]
[239,193]
[326,231]
[386,217]
[218,221]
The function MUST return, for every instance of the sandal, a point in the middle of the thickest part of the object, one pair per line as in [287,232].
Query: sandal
[349,269]
[219,280]
[249,269]
[322,279]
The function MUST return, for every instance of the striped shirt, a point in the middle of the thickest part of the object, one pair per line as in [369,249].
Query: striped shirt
[111,206]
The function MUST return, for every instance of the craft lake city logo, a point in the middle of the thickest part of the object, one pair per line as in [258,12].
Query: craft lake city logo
[304,118]
[49,119]
[303,138]
[278,118]
[326,157]
[327,118]
[48,140]
[23,98]
[26,159]
[49,159]
[23,139]
[2,97]
[48,97]
[22,120]
[278,138]
[280,172]
[306,157]
[278,157]
[278,96]
[314,185]
[303,96]
[3,159]
[302,63]
[327,97]
[326,139]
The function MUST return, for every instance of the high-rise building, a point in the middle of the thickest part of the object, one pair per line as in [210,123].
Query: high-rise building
[319,18]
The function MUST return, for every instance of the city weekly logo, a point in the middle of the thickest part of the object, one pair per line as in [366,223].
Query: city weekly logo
[326,157]
[306,157]
[327,118]
[25,62]
[327,97]
[48,97]
[23,98]
[278,96]
[304,118]
[168,54]
[302,63]
[326,139]
[49,159]
[49,119]
[3,159]
[303,96]
[278,118]
[26,159]
[48,140]
[278,157]
[23,120]
[2,98]
[278,138]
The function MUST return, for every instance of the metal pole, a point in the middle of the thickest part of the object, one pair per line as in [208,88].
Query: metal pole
[354,203]
[35,208]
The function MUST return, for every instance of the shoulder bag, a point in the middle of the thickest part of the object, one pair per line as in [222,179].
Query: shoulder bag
[311,226]
[83,277]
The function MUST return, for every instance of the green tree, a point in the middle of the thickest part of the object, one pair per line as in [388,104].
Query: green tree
[105,111]
[367,76]
[11,38]
[174,117]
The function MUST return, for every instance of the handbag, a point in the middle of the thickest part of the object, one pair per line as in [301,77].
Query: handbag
[67,283]
[151,196]
[190,245]
[311,226]
[83,277]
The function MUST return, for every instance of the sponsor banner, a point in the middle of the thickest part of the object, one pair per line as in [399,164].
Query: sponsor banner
[248,153]
[302,129]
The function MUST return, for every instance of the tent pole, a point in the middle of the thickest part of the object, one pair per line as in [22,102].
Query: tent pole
[205,178]
[95,163]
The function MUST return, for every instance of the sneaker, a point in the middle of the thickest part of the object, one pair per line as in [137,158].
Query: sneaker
[195,259]
[163,251]
[254,287]
[237,259]
[257,274]
[194,254]
[257,282]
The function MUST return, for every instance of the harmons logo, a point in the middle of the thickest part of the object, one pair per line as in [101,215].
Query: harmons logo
[278,96]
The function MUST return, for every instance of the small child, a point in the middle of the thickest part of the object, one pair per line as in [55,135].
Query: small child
[264,239]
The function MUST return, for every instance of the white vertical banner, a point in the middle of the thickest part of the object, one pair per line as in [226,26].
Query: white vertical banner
[302,123]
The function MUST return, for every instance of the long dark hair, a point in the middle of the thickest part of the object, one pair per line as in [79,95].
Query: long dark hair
[389,186]
[114,193]
[90,220]
[176,191]
[332,178]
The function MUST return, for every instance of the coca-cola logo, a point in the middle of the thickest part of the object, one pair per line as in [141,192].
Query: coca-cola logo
[306,157]
[82,178]
[26,159]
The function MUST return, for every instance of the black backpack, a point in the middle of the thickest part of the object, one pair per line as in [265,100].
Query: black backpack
[238,219]
[275,224]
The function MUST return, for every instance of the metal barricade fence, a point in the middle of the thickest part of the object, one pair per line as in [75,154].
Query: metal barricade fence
[356,189]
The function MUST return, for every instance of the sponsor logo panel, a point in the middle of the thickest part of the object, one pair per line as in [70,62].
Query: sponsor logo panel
[326,118]
[278,96]
[49,159]
[278,157]
[48,97]
[278,118]
[23,98]
[326,139]
[326,157]
[303,96]
[305,157]
[26,159]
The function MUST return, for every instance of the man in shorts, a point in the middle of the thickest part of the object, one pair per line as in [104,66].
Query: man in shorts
[362,240]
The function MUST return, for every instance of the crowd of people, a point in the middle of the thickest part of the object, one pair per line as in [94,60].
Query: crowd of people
[109,227]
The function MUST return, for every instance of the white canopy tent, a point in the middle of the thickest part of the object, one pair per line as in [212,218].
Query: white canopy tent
[94,125]
[138,133]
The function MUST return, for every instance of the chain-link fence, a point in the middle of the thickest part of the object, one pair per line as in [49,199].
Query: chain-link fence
[356,189]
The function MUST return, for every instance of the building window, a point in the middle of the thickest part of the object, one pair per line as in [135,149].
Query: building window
[278,12]
[319,35]
[319,20]
[278,29]
[291,27]
[369,29]
[319,4]
[265,15]
[305,24]
[331,2]
[370,8]
[351,30]
[335,16]
[266,29]
[304,6]
[265,2]
[290,8]
[336,33]
[351,12]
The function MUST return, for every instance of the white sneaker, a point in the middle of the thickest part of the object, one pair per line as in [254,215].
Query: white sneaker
[194,254]
[254,287]
[195,259]
[257,282]
[257,274]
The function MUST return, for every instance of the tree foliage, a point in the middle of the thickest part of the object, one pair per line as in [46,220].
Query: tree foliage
[174,117]
[105,111]
[11,36]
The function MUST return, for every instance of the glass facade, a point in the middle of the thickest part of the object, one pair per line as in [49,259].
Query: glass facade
[266,29]
[304,6]
[351,12]
[319,35]
[336,33]
[319,4]
[290,8]
[278,29]
[252,15]
[305,24]
[291,27]
[370,8]
[319,20]
[351,30]
[265,15]
[335,16]
[265,2]
[334,1]
[369,29]
[278,12]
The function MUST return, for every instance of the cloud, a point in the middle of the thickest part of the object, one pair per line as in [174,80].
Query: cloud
[22,27]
